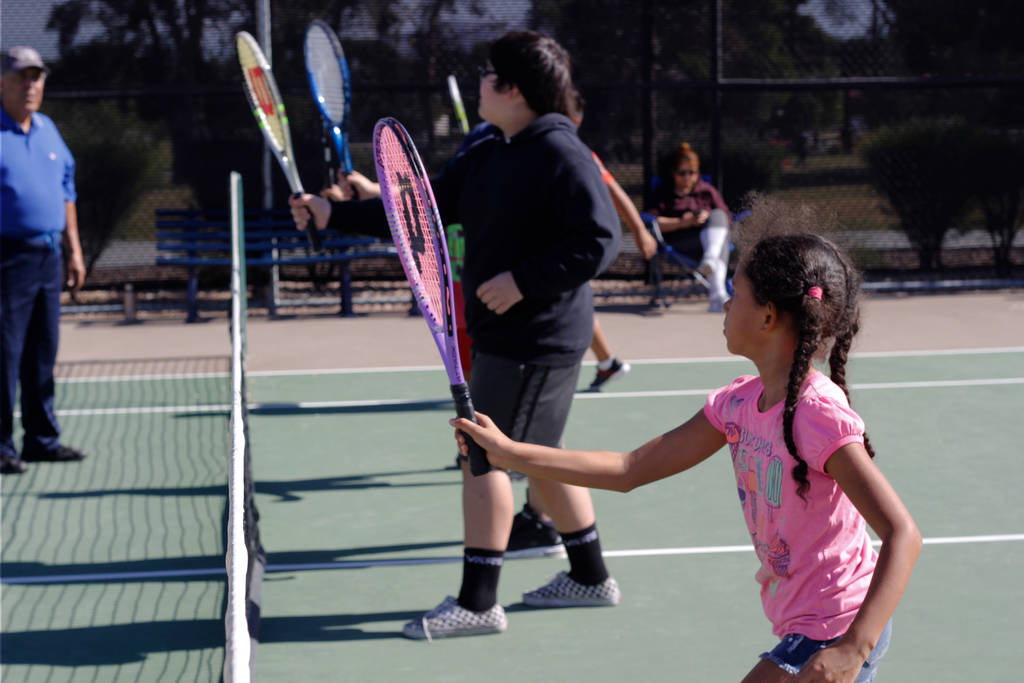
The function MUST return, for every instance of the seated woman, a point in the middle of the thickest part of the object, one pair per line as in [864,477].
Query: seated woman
[694,220]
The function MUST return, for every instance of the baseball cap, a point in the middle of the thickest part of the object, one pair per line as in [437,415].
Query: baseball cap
[22,57]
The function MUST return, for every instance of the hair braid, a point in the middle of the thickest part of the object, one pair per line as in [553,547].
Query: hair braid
[809,330]
[810,281]
[837,361]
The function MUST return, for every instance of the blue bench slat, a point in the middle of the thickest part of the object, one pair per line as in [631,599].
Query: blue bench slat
[194,238]
[270,261]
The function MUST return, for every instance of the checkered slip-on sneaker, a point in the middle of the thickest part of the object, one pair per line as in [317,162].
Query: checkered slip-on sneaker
[562,591]
[450,620]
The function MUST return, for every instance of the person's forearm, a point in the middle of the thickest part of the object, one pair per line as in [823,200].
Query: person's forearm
[360,217]
[73,245]
[624,205]
[71,239]
[671,224]
[896,559]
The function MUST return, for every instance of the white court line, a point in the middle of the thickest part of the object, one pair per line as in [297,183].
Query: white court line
[426,368]
[654,361]
[364,564]
[379,403]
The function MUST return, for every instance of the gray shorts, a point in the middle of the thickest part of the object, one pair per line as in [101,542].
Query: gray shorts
[528,402]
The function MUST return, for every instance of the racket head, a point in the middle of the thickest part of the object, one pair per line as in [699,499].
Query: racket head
[460,108]
[329,81]
[419,236]
[267,106]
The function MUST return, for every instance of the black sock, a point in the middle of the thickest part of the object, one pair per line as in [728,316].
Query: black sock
[586,564]
[480,571]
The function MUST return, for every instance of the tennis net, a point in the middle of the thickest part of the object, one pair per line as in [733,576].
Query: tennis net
[245,557]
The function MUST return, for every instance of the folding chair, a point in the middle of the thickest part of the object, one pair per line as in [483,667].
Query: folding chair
[699,283]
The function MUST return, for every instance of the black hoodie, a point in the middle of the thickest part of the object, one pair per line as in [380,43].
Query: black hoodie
[534,205]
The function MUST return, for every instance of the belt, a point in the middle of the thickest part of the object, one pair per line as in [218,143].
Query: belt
[49,240]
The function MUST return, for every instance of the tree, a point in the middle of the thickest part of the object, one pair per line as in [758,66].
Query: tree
[914,165]
[994,174]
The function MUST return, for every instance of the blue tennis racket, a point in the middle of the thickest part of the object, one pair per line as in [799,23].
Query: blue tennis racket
[332,90]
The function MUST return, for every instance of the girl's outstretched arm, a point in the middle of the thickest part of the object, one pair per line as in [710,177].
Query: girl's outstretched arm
[680,449]
[869,490]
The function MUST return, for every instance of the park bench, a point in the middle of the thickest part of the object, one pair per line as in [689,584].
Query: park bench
[197,239]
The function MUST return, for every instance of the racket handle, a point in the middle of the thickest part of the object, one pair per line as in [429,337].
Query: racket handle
[478,463]
[311,232]
[355,190]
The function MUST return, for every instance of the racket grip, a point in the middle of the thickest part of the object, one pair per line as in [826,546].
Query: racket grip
[478,463]
[355,190]
[311,232]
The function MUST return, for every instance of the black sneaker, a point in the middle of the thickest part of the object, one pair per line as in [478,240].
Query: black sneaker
[59,454]
[531,537]
[617,370]
[10,464]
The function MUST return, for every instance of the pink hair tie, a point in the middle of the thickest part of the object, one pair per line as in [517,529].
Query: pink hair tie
[815,293]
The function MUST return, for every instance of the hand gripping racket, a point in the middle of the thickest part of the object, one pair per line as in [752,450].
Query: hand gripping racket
[332,89]
[268,108]
[460,109]
[419,235]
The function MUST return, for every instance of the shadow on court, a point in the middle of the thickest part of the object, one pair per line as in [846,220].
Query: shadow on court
[91,645]
[286,491]
[178,568]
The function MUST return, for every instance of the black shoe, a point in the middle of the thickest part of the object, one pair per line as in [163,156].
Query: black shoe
[59,454]
[10,464]
[531,537]
[617,370]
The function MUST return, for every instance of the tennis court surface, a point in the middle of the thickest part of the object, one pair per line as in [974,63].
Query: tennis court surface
[113,569]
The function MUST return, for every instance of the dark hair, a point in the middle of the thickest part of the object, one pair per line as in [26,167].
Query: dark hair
[810,279]
[539,67]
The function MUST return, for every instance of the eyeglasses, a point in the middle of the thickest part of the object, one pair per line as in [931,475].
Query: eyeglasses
[485,72]
[686,171]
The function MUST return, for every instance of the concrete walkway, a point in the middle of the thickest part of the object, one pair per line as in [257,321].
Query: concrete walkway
[948,321]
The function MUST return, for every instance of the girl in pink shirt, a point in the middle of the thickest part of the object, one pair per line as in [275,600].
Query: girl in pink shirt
[804,471]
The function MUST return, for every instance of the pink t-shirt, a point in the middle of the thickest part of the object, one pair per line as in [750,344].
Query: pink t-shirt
[816,557]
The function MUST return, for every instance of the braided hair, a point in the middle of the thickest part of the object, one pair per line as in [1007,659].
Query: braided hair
[810,279]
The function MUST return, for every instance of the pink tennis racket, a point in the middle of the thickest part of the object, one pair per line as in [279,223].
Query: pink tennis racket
[423,251]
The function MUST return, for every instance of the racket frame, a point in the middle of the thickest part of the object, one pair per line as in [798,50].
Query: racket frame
[267,107]
[460,108]
[336,128]
[398,206]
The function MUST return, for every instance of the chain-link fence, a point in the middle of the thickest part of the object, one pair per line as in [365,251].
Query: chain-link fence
[903,117]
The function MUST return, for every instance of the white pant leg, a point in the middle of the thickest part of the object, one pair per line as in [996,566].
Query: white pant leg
[714,238]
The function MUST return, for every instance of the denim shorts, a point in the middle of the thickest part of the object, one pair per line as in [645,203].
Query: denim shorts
[794,651]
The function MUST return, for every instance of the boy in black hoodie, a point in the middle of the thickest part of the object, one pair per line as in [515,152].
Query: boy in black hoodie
[539,225]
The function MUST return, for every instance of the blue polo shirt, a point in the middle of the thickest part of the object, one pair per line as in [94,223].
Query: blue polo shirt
[37,175]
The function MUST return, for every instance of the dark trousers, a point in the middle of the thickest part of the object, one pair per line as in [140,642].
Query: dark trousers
[30,285]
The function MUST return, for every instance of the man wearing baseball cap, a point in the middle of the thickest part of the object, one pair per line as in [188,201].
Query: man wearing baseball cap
[37,216]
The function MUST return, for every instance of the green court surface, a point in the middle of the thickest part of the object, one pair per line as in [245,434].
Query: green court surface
[114,569]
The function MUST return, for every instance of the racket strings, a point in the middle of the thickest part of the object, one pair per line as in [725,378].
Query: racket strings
[419,232]
[328,79]
[262,92]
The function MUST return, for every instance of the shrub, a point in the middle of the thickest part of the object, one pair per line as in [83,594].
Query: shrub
[994,175]
[919,166]
[749,165]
